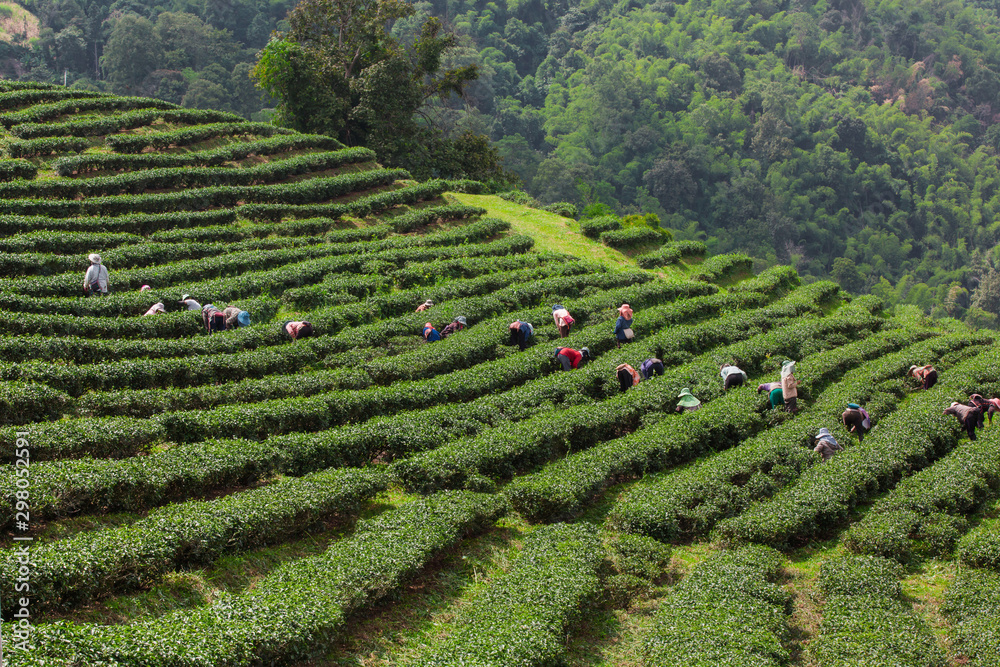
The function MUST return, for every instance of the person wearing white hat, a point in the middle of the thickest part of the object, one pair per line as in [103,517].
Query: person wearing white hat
[190,303]
[95,280]
[826,444]
[424,306]
[456,325]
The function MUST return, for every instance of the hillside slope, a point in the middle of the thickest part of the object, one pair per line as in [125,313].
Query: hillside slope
[366,496]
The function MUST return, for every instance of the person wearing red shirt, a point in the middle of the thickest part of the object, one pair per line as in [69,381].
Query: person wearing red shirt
[570,358]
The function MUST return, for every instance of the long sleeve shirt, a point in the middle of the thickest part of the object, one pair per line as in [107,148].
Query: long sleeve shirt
[789,386]
[99,273]
[231,313]
[621,324]
[963,412]
[573,355]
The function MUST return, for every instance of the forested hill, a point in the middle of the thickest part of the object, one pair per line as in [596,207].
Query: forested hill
[799,131]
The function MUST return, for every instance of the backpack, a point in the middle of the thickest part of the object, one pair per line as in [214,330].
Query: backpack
[217,323]
[95,284]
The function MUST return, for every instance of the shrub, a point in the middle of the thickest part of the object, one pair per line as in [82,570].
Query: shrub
[630,237]
[594,227]
[565,209]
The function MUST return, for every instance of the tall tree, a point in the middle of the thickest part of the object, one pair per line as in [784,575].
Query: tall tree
[339,71]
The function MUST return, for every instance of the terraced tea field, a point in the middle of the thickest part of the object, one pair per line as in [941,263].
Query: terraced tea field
[362,497]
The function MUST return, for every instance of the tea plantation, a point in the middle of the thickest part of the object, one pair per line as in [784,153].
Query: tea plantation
[364,497]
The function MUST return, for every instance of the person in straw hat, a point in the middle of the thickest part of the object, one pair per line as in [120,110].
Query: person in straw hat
[623,325]
[95,280]
[424,306]
[688,402]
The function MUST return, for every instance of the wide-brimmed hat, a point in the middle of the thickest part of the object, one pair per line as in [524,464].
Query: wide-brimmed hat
[585,351]
[428,303]
[94,258]
[688,400]
[461,320]
[912,368]
[243,318]
[185,297]
[145,288]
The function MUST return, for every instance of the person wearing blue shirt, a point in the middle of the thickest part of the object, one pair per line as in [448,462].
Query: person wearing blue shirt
[623,325]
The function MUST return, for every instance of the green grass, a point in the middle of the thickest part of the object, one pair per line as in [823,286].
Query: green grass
[550,231]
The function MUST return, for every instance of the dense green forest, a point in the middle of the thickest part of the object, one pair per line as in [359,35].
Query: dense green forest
[854,139]
[192,52]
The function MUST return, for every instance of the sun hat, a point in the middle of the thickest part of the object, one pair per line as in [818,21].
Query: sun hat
[94,258]
[787,367]
[428,303]
[185,297]
[585,351]
[145,288]
[912,368]
[461,320]
[688,400]
[243,318]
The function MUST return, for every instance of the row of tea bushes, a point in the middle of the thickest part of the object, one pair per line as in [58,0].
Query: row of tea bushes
[92,564]
[932,505]
[40,113]
[135,182]
[282,143]
[123,121]
[728,611]
[671,253]
[294,613]
[137,143]
[971,603]
[524,615]
[866,621]
[198,199]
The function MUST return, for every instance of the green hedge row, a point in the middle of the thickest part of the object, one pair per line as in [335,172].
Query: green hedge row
[865,621]
[141,224]
[141,482]
[502,451]
[93,564]
[40,113]
[22,93]
[137,143]
[17,169]
[524,615]
[81,164]
[971,602]
[981,547]
[122,121]
[684,504]
[26,402]
[721,267]
[65,242]
[46,146]
[932,505]
[594,227]
[728,611]
[302,192]
[630,237]
[295,612]
[671,253]
[169,178]
[172,325]
[362,207]
[909,439]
